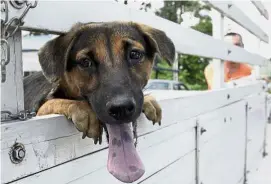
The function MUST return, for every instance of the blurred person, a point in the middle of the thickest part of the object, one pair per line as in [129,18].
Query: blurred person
[232,70]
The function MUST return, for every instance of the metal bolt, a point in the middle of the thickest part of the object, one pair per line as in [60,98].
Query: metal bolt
[21,153]
[17,153]
[202,130]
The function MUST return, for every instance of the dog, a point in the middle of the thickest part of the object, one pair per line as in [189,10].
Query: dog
[94,75]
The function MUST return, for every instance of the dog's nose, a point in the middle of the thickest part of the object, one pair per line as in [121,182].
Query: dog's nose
[121,108]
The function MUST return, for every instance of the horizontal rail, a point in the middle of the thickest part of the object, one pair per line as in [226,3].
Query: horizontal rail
[237,15]
[58,150]
[59,133]
[260,7]
[187,41]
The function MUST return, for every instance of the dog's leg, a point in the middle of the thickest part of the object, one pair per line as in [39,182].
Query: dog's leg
[79,112]
[152,109]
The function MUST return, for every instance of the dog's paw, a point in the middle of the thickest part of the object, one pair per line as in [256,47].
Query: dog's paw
[86,121]
[152,109]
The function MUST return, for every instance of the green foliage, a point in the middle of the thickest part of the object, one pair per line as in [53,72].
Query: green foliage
[162,74]
[191,67]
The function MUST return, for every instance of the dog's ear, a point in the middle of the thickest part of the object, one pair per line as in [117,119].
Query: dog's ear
[54,54]
[159,41]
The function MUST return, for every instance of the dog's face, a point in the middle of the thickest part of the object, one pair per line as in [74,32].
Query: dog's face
[106,63]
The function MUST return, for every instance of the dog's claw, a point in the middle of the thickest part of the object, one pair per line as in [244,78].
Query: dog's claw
[84,135]
[95,141]
[100,139]
[159,123]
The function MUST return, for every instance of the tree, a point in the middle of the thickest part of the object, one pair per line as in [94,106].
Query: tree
[191,67]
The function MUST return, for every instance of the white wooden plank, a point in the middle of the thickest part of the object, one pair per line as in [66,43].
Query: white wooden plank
[234,13]
[260,7]
[187,41]
[50,137]
[155,158]
[218,65]
[242,82]
[181,171]
[12,89]
[255,131]
[222,146]
[175,67]
[150,147]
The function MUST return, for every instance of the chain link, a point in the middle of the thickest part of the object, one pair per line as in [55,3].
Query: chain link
[22,115]
[9,28]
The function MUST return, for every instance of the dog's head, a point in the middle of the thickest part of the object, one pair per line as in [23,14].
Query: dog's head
[107,63]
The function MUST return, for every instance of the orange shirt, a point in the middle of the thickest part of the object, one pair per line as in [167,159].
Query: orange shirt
[242,71]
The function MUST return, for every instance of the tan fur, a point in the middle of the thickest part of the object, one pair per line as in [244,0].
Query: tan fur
[152,109]
[79,112]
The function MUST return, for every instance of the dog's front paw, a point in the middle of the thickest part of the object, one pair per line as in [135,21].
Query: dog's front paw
[86,121]
[152,109]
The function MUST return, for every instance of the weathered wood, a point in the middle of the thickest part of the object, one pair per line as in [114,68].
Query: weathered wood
[92,167]
[255,131]
[12,89]
[181,171]
[222,146]
[52,140]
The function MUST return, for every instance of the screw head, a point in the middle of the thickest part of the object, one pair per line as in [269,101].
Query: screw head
[17,153]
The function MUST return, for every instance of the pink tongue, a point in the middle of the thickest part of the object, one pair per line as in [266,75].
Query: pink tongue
[123,160]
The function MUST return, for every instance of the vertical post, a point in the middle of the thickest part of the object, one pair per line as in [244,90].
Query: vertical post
[175,67]
[257,67]
[12,96]
[218,65]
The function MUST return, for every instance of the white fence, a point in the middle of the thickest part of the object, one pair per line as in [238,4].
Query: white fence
[214,137]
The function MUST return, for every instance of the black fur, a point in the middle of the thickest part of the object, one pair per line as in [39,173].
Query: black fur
[36,90]
[118,79]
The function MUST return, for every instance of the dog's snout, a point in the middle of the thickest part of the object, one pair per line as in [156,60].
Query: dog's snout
[121,108]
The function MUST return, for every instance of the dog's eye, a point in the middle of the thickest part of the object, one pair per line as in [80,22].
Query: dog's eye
[85,63]
[135,56]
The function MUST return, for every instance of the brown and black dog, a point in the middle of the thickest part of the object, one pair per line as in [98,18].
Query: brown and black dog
[94,75]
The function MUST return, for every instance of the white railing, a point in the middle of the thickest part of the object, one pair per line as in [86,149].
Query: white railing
[180,151]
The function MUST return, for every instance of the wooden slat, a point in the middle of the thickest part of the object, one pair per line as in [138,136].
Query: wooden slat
[260,7]
[255,131]
[222,146]
[235,14]
[92,167]
[187,41]
[180,171]
[218,21]
[12,89]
